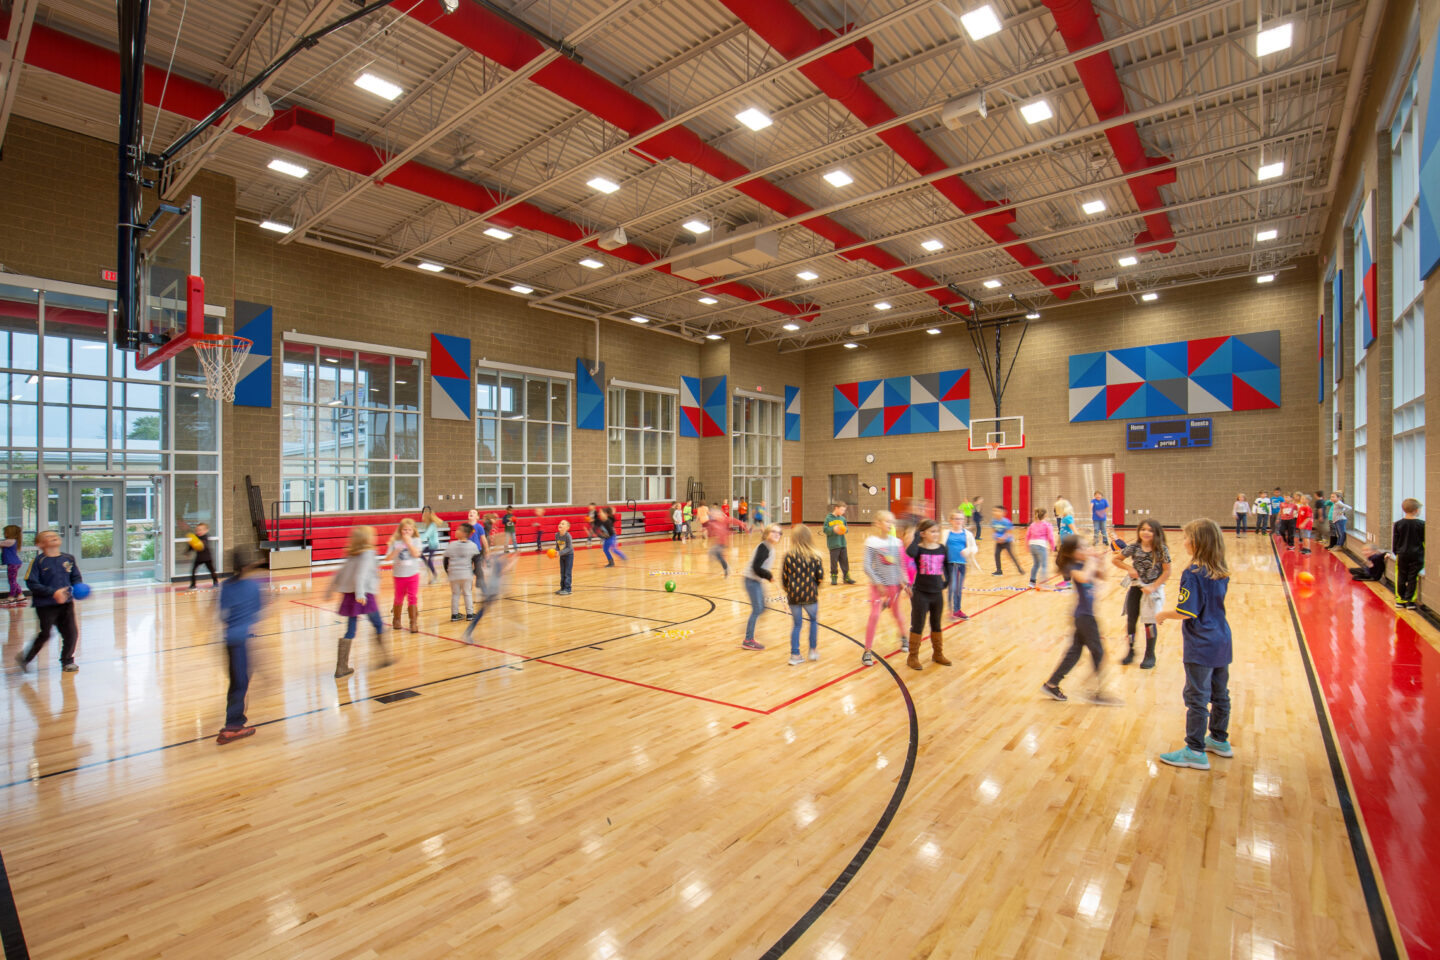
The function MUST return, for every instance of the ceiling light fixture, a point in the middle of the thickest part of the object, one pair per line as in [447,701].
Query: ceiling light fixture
[1036,111]
[754,119]
[1265,235]
[1093,207]
[429,267]
[709,301]
[521,288]
[713,336]
[992,284]
[792,327]
[379,86]
[603,185]
[1265,278]
[851,346]
[980,22]
[1033,315]
[640,319]
[1147,297]
[1269,171]
[696,227]
[498,234]
[808,275]
[933,245]
[285,166]
[882,305]
[1274,39]
[933,331]
[839,178]
[276,226]
[592,263]
[1128,261]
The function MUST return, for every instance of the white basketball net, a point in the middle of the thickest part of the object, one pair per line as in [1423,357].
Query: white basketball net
[992,450]
[222,358]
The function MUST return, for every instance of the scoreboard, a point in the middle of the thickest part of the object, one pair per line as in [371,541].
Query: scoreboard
[1168,434]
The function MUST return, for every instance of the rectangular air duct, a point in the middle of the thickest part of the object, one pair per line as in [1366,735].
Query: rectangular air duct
[742,253]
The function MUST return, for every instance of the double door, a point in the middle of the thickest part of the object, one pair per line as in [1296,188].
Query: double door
[113,527]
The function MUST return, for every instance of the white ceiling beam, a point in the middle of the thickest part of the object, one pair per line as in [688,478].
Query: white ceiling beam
[12,58]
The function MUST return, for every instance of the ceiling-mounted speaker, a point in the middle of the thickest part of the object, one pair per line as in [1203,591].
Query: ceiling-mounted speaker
[613,240]
[254,111]
[859,329]
[953,114]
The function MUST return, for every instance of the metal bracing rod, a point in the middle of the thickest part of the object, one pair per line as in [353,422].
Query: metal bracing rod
[1015,153]
[303,43]
[605,156]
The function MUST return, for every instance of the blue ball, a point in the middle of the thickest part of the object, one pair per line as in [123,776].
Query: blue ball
[80,591]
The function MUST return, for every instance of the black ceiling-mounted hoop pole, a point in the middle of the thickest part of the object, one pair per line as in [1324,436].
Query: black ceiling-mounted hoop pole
[134,16]
[991,362]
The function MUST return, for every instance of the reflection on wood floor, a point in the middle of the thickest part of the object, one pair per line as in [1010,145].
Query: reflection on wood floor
[608,775]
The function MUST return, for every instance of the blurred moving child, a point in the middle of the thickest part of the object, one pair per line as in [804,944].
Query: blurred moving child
[358,583]
[49,579]
[887,579]
[758,572]
[430,539]
[1004,538]
[10,554]
[1374,568]
[241,600]
[1040,538]
[202,555]
[461,562]
[1064,519]
[497,571]
[1082,564]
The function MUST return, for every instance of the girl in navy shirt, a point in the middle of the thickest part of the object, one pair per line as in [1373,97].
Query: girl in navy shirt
[1083,568]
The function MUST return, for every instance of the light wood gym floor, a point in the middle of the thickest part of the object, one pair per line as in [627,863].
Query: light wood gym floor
[608,775]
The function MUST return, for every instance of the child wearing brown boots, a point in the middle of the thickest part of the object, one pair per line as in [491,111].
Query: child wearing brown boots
[358,581]
[927,594]
[406,551]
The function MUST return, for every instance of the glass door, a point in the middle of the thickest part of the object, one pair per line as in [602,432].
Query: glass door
[89,516]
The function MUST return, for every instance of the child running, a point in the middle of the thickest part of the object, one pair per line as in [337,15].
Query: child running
[758,572]
[1407,541]
[1201,608]
[10,553]
[1146,564]
[1004,539]
[1083,567]
[959,548]
[461,562]
[497,570]
[1040,538]
[801,573]
[358,583]
[49,579]
[241,601]
[927,595]
[405,550]
[718,531]
[887,579]
[430,539]
[605,530]
[204,557]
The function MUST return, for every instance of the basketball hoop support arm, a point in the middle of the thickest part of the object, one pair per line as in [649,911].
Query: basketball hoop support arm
[992,365]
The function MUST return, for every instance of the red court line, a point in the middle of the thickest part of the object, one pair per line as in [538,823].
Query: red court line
[1381,681]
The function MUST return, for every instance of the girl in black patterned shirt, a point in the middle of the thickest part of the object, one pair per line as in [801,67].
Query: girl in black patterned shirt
[800,575]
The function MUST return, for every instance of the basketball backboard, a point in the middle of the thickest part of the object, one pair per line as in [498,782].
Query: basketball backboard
[1004,433]
[171,308]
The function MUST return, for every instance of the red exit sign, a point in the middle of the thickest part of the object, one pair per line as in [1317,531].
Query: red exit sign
[110,276]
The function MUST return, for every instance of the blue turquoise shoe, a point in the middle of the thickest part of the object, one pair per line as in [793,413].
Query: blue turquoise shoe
[1185,757]
[1221,748]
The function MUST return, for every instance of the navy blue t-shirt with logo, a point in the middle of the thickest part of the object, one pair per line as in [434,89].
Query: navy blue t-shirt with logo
[1205,630]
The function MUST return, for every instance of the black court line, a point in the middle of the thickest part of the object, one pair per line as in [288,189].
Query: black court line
[607,613]
[799,928]
[10,932]
[512,664]
[1364,866]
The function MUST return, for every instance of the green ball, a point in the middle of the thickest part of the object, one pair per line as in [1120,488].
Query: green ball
[669,586]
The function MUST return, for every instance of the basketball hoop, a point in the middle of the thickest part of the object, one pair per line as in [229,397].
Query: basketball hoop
[221,357]
[992,450]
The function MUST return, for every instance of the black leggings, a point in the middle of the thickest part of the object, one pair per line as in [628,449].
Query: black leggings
[1087,637]
[1133,598]
[1287,532]
[920,605]
[204,559]
[1007,546]
[61,616]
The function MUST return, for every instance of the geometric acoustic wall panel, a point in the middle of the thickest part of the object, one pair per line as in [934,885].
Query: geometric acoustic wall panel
[1211,375]
[927,403]
[255,323]
[703,406]
[690,414]
[589,394]
[449,377]
[1368,273]
[792,414]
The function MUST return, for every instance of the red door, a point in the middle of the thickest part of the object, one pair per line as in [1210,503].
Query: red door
[797,499]
[902,488]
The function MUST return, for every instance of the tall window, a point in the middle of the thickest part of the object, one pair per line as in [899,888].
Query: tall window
[1362,366]
[350,429]
[642,445]
[757,426]
[1407,308]
[522,439]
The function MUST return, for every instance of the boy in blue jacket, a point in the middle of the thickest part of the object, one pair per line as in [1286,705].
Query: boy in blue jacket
[241,600]
[49,579]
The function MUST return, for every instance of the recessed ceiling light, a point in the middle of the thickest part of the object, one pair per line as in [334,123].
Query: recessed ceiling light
[933,245]
[592,263]
[808,275]
[276,226]
[1265,278]
[839,178]
[285,166]
[1147,297]
[1036,110]
[792,327]
[882,305]
[1265,235]
[498,234]
[980,22]
[429,267]
[713,336]
[1128,261]
[992,284]
[696,227]
[1093,207]
[754,119]
[379,86]
[1269,171]
[640,319]
[1033,315]
[603,185]
[933,331]
[521,288]
[851,346]
[709,301]
[1274,39]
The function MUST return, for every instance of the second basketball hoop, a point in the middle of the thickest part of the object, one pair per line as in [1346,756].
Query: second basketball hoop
[222,357]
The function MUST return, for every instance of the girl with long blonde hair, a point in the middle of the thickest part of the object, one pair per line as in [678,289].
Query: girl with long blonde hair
[406,551]
[800,575]
[358,582]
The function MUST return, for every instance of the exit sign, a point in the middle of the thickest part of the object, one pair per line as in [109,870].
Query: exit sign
[110,276]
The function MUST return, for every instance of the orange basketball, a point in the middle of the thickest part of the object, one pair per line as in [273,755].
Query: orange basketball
[839,529]
[552,553]
[1306,577]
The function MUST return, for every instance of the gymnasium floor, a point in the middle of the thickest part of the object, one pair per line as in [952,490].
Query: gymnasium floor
[607,775]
